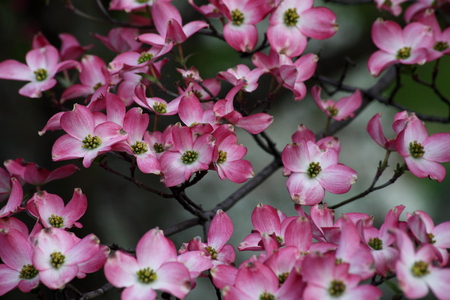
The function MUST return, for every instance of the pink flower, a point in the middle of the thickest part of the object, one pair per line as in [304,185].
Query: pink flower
[83,138]
[294,20]
[188,156]
[416,272]
[241,74]
[18,270]
[313,171]
[294,74]
[219,233]
[154,268]
[407,46]
[58,254]
[423,153]
[227,157]
[340,110]
[42,65]
[51,212]
[328,280]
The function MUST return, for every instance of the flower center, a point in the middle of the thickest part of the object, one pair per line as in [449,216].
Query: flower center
[267,296]
[416,149]
[291,17]
[57,259]
[222,157]
[388,3]
[403,53]
[237,17]
[314,169]
[431,239]
[211,252]
[146,275]
[282,278]
[189,157]
[41,74]
[332,110]
[420,269]
[28,272]
[91,142]
[99,84]
[376,243]
[56,221]
[198,94]
[141,1]
[139,147]
[160,107]
[440,46]
[337,288]
[158,148]
[145,56]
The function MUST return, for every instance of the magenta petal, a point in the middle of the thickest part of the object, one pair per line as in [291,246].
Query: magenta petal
[265,219]
[16,251]
[79,122]
[318,23]
[305,190]
[380,61]
[242,38]
[120,269]
[223,275]
[139,292]
[67,147]
[387,35]
[174,278]
[423,168]
[299,234]
[9,279]
[84,250]
[76,207]
[436,147]
[14,70]
[337,179]
[220,230]
[154,249]
[255,279]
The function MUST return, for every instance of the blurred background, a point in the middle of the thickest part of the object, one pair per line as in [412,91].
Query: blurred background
[119,212]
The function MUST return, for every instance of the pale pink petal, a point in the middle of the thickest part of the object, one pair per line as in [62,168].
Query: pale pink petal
[173,277]
[318,23]
[304,190]
[9,279]
[423,168]
[139,292]
[436,147]
[120,269]
[380,61]
[35,89]
[154,249]
[337,179]
[79,122]
[14,70]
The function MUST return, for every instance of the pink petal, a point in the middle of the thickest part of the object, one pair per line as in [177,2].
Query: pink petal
[220,230]
[120,269]
[304,190]
[14,70]
[318,23]
[154,249]
[423,168]
[337,179]
[387,35]
[173,277]
[436,147]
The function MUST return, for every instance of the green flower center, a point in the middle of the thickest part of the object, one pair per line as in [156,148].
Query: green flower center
[291,17]
[332,110]
[338,261]
[91,142]
[189,157]
[376,243]
[141,1]
[56,221]
[57,259]
[388,3]
[146,275]
[237,17]
[145,56]
[337,288]
[267,296]
[28,272]
[416,149]
[440,46]
[404,53]
[222,157]
[160,107]
[420,269]
[282,278]
[158,148]
[211,252]
[41,74]
[314,169]
[431,239]
[198,94]
[139,147]
[99,84]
